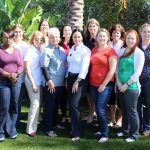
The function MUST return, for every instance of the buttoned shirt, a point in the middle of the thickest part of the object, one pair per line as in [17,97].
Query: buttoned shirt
[79,60]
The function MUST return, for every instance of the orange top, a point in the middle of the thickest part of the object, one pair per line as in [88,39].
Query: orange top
[99,65]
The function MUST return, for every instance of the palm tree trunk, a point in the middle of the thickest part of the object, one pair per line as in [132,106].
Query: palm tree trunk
[75,13]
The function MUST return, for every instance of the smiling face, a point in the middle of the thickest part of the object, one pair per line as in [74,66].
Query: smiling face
[145,33]
[7,39]
[77,38]
[92,28]
[102,38]
[116,35]
[18,34]
[131,40]
[67,32]
[38,40]
[44,27]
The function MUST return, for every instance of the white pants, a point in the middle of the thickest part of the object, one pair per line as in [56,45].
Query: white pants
[34,108]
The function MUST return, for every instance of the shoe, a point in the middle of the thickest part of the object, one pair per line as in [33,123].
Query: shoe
[102,140]
[2,139]
[51,134]
[14,136]
[33,134]
[97,133]
[130,139]
[120,134]
[69,120]
[111,124]
[145,133]
[117,126]
[75,138]
[64,119]
[59,126]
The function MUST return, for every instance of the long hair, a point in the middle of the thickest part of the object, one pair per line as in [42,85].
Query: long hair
[42,22]
[136,44]
[94,21]
[71,43]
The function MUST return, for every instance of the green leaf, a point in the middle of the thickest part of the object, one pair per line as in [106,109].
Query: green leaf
[20,7]
[4,19]
[10,5]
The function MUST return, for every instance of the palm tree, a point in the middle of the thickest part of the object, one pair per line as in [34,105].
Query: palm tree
[75,13]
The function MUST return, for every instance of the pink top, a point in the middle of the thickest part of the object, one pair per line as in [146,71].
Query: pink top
[10,62]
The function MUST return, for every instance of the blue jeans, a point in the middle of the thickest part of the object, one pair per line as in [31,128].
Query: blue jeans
[9,94]
[51,107]
[101,100]
[144,107]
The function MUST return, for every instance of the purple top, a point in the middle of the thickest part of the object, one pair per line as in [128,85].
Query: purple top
[10,62]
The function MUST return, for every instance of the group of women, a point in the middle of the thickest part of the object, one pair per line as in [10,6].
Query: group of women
[112,67]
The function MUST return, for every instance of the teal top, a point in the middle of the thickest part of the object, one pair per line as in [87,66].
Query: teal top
[126,70]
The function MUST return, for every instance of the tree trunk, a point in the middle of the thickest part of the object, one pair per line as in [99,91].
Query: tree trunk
[75,13]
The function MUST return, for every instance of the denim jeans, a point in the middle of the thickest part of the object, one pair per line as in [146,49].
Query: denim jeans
[101,100]
[51,107]
[9,94]
[130,119]
[144,107]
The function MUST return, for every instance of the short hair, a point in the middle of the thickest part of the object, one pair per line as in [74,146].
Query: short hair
[117,27]
[53,31]
[35,34]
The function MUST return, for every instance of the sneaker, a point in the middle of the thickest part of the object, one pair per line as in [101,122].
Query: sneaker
[51,134]
[120,134]
[130,139]
[90,119]
[14,136]
[64,119]
[111,124]
[2,139]
[75,138]
[97,133]
[102,140]
[59,126]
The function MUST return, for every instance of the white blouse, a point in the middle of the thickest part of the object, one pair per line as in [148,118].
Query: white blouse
[78,60]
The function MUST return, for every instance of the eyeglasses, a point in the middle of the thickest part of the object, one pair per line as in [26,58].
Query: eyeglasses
[39,39]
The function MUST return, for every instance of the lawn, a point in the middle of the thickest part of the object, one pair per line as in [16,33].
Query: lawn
[87,142]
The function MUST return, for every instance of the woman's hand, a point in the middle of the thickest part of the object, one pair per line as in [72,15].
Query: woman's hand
[51,86]
[34,88]
[13,77]
[123,88]
[75,87]
[101,88]
[119,84]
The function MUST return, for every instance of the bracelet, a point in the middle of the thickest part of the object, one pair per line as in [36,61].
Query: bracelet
[127,84]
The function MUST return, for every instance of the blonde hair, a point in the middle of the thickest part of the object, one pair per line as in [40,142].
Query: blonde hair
[143,26]
[94,21]
[102,30]
[34,35]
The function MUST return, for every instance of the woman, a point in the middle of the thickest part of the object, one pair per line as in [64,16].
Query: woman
[53,63]
[11,66]
[91,31]
[65,36]
[20,44]
[44,27]
[102,67]
[129,69]
[33,80]
[78,64]
[117,33]
[145,80]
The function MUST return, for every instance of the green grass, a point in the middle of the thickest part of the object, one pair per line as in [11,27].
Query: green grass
[62,142]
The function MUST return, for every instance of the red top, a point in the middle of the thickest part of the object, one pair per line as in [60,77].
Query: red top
[99,65]
[66,48]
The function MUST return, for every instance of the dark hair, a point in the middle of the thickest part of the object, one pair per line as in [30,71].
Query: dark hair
[136,44]
[119,28]
[9,32]
[42,22]
[71,38]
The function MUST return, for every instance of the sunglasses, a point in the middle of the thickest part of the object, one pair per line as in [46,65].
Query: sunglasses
[39,39]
